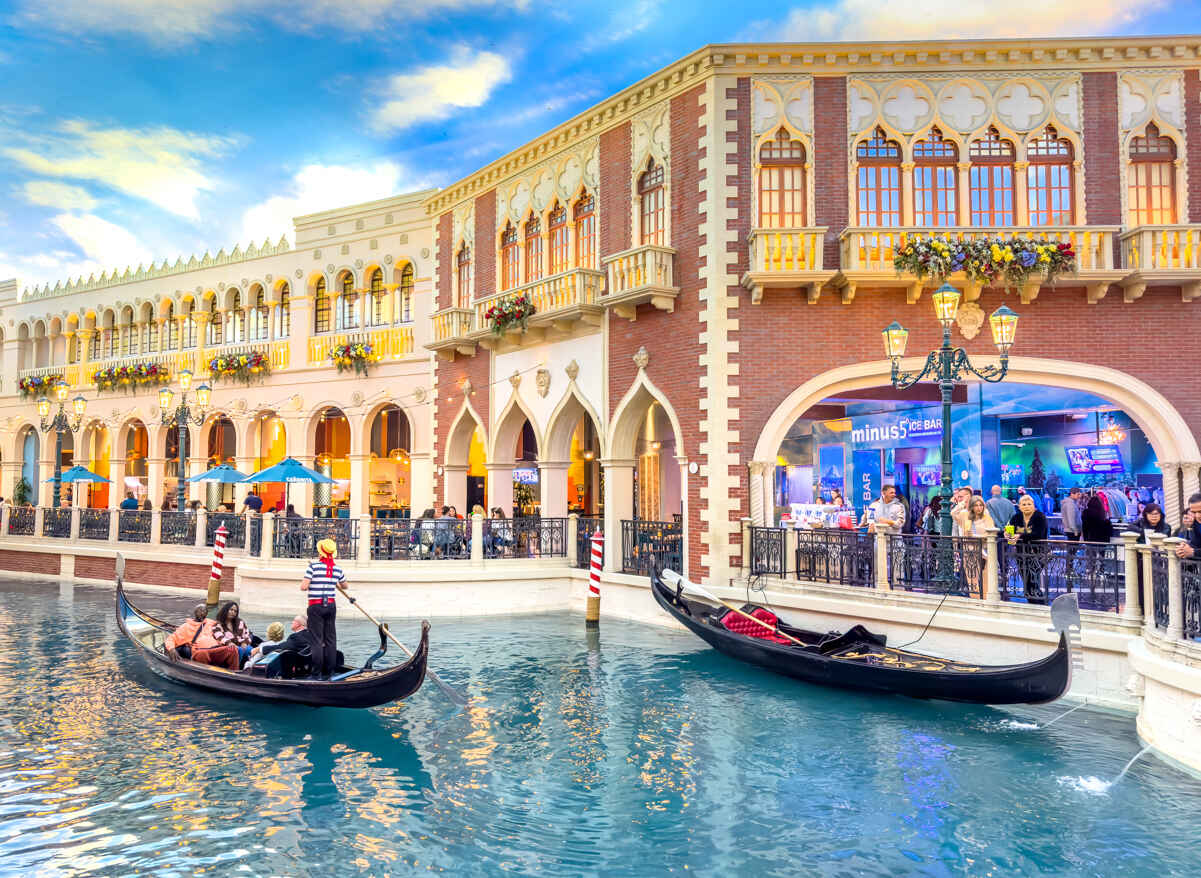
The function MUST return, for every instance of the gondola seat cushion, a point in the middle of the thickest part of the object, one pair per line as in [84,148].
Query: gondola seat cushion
[739,624]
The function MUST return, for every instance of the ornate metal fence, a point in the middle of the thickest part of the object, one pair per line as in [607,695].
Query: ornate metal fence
[843,557]
[527,537]
[585,528]
[1159,589]
[394,539]
[1040,572]
[56,522]
[651,546]
[767,551]
[298,537]
[177,528]
[1190,586]
[235,526]
[937,564]
[93,524]
[134,526]
[20,521]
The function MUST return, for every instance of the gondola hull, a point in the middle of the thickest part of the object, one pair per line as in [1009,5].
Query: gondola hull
[904,673]
[370,688]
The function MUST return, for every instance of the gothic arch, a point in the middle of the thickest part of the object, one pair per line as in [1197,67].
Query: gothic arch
[562,423]
[627,418]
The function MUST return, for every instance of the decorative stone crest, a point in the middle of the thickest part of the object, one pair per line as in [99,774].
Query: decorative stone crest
[642,358]
[425,252]
[299,273]
[515,379]
[468,389]
[356,398]
[419,394]
[970,318]
[358,263]
[572,369]
[542,379]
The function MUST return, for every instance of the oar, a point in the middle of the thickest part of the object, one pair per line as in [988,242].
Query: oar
[449,691]
[673,578]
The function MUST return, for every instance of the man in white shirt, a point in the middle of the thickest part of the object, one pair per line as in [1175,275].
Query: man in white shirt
[888,511]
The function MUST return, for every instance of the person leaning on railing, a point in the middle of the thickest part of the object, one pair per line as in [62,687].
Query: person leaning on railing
[1151,521]
[1025,531]
[1191,547]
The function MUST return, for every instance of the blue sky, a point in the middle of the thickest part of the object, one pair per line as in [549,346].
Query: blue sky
[133,130]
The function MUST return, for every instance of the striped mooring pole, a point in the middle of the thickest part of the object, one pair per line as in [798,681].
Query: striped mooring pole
[215,575]
[592,611]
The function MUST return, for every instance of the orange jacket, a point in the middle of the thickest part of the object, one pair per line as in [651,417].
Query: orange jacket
[184,634]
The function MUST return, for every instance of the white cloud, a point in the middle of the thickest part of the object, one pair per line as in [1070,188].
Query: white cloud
[105,245]
[436,92]
[949,19]
[60,195]
[175,22]
[163,166]
[322,187]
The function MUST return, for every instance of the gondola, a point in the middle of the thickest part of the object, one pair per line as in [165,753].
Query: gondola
[859,659]
[350,687]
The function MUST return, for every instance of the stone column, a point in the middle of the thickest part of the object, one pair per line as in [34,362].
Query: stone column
[963,194]
[10,474]
[39,516]
[746,525]
[268,550]
[1175,590]
[992,566]
[1132,610]
[359,489]
[1191,470]
[421,482]
[1021,204]
[907,207]
[553,478]
[4,514]
[619,507]
[202,524]
[116,472]
[1144,556]
[156,527]
[477,539]
[500,485]
[75,513]
[881,561]
[244,464]
[364,544]
[156,468]
[454,487]
[573,533]
[1173,503]
[761,492]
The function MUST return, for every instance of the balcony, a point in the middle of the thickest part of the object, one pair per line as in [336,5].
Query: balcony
[562,303]
[452,330]
[388,342]
[786,259]
[867,258]
[641,276]
[1162,256]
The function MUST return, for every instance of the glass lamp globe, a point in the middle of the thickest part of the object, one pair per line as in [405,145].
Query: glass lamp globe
[1004,323]
[896,339]
[80,405]
[203,392]
[946,304]
[185,380]
[164,398]
[43,407]
[61,389]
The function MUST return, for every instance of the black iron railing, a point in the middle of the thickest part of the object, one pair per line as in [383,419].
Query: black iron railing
[843,557]
[298,537]
[937,564]
[444,539]
[56,522]
[1159,589]
[134,526]
[585,528]
[650,546]
[235,529]
[527,537]
[254,536]
[767,551]
[177,528]
[93,524]
[20,521]
[1190,587]
[393,539]
[1039,572]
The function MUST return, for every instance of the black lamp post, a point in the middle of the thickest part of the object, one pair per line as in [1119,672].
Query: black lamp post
[947,366]
[60,424]
[180,417]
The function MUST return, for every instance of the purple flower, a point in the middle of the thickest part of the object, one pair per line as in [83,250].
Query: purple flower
[1026,258]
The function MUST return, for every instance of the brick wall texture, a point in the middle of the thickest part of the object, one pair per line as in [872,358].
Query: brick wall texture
[33,563]
[485,245]
[614,195]
[1192,109]
[446,259]
[830,168]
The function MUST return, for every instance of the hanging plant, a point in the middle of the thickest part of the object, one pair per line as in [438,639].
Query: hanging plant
[240,367]
[509,311]
[988,261]
[358,356]
[38,385]
[130,378]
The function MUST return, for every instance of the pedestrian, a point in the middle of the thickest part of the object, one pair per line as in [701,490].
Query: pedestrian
[886,511]
[321,579]
[253,502]
[1191,548]
[1095,526]
[1000,509]
[130,502]
[1152,521]
[1070,512]
[1025,532]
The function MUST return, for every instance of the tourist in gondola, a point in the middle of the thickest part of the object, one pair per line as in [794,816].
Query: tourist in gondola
[321,580]
[231,629]
[198,635]
[1152,521]
[1025,532]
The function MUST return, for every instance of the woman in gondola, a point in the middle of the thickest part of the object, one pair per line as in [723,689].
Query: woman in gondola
[232,630]
[1026,532]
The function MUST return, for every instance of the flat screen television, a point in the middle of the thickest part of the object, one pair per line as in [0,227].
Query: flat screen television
[1095,459]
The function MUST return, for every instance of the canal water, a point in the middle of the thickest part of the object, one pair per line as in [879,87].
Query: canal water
[639,752]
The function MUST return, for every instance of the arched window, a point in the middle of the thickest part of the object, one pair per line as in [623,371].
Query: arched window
[94,353]
[171,328]
[259,322]
[934,186]
[463,272]
[556,228]
[584,214]
[110,336]
[377,305]
[72,348]
[1049,180]
[235,327]
[1151,180]
[283,312]
[152,335]
[651,206]
[991,179]
[782,183]
[126,332]
[533,248]
[878,181]
[216,324]
[510,258]
[321,310]
[348,314]
[404,301]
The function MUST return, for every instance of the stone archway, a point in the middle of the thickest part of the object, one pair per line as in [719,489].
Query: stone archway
[509,429]
[558,468]
[456,458]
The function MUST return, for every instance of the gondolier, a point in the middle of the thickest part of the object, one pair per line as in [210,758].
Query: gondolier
[321,579]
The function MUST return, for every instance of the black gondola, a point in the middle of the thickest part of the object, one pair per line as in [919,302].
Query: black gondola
[858,659]
[350,687]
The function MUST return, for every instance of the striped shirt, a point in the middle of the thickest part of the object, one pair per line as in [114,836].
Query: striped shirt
[321,584]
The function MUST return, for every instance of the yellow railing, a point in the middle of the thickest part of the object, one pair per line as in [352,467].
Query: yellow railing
[568,289]
[866,249]
[781,250]
[389,343]
[1148,248]
[647,266]
[452,323]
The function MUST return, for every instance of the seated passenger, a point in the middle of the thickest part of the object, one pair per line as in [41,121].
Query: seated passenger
[231,630]
[295,664]
[275,636]
[197,634]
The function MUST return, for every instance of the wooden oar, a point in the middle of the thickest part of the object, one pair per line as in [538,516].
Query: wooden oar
[447,690]
[673,578]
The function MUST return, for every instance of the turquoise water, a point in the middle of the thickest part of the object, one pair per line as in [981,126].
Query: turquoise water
[642,753]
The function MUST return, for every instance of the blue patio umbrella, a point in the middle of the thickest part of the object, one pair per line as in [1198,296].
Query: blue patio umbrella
[78,474]
[289,470]
[225,474]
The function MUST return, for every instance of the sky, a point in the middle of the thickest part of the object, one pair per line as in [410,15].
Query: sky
[140,130]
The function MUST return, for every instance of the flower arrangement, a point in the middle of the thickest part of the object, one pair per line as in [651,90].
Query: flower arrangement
[509,311]
[129,378]
[357,356]
[240,367]
[38,385]
[1008,262]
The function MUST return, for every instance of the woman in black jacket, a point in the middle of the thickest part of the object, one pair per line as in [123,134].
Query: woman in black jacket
[1027,534]
[1152,521]
[1095,526]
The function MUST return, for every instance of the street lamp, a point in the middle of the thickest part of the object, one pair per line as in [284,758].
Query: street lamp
[180,417]
[60,423]
[946,366]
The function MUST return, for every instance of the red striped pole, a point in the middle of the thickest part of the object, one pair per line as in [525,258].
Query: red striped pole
[218,562]
[592,611]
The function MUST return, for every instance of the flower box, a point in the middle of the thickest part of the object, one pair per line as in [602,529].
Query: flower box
[1011,263]
[252,366]
[509,312]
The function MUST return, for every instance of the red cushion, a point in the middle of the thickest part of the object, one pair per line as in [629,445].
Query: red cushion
[739,624]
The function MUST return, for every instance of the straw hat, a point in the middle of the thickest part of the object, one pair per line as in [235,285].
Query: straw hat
[327,548]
